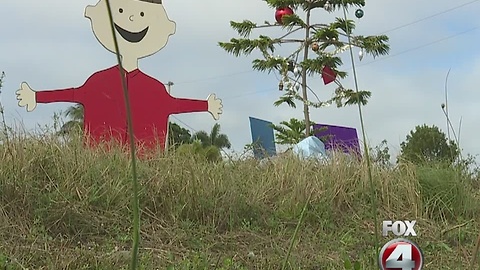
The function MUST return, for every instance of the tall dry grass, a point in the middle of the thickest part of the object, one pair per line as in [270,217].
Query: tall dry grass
[65,196]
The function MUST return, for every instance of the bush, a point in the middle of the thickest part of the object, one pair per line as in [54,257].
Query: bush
[446,193]
[195,149]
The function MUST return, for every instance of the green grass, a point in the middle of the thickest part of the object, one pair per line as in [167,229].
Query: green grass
[66,207]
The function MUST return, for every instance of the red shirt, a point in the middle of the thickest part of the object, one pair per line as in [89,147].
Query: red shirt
[104,106]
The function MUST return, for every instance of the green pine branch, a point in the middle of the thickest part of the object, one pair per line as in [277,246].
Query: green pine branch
[352,97]
[290,21]
[312,65]
[347,26]
[329,35]
[244,28]
[315,65]
[326,36]
[373,45]
[290,97]
[314,4]
[247,46]
[285,99]
[269,64]
[338,4]
[294,4]
[344,97]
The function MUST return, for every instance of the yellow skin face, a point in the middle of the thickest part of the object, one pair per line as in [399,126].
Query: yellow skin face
[142,28]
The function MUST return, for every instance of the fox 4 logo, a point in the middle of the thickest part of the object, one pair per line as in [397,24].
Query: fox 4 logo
[400,253]
[399,228]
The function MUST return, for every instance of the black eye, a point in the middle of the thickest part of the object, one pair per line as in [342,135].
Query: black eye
[142,14]
[120,10]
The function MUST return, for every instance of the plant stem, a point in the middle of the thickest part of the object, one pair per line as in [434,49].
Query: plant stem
[267,25]
[289,33]
[4,121]
[367,156]
[304,75]
[295,233]
[281,41]
[446,103]
[475,253]
[136,210]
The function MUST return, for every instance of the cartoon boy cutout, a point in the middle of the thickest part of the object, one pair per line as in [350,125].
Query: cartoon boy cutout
[142,29]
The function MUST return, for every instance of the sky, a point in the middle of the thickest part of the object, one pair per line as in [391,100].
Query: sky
[50,45]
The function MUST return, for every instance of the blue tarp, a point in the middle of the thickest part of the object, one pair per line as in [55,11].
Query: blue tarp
[310,147]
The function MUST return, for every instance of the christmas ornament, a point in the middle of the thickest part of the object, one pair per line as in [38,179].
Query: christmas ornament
[359,13]
[280,86]
[328,75]
[328,7]
[282,12]
[360,55]
[315,47]
[289,86]
[296,71]
[291,66]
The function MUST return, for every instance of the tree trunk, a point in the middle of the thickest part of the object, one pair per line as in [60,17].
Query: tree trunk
[304,76]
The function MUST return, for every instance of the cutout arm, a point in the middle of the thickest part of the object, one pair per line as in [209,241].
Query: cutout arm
[183,105]
[75,95]
[180,105]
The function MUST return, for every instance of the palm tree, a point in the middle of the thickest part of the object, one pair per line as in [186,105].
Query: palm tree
[75,114]
[215,138]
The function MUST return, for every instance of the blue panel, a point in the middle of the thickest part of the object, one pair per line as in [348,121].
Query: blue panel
[263,138]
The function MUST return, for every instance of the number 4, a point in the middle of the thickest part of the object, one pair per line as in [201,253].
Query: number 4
[404,250]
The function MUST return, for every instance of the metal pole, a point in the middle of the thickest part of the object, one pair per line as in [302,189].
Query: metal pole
[169,85]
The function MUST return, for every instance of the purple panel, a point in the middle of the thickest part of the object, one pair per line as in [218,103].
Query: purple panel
[340,138]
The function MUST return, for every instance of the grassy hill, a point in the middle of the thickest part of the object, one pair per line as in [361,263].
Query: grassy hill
[66,207]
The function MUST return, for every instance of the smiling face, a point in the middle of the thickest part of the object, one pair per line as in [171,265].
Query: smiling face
[142,28]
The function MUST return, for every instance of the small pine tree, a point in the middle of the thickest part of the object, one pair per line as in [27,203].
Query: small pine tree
[327,41]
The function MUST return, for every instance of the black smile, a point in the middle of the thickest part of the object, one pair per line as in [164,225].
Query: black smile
[130,36]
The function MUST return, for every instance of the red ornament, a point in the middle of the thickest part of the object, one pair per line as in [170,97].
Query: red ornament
[328,75]
[282,12]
